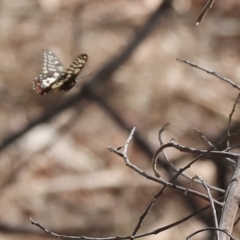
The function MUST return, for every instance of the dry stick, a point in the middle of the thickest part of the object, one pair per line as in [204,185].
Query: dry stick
[176,223]
[222,78]
[101,76]
[155,179]
[157,174]
[204,11]
[156,231]
[161,143]
[173,144]
[210,72]
[210,229]
[211,202]
[129,164]
[231,148]
[226,150]
[204,137]
[209,152]
[181,148]
[230,118]
[231,204]
[174,169]
[74,237]
[180,171]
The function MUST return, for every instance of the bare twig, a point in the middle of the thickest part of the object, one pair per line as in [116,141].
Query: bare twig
[155,179]
[154,232]
[210,229]
[211,202]
[189,185]
[174,169]
[74,237]
[177,222]
[210,72]
[204,137]
[204,11]
[231,148]
[202,153]
[128,163]
[183,148]
[157,174]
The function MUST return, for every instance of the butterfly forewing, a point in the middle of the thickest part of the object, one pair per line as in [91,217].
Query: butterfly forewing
[67,80]
[51,64]
[54,77]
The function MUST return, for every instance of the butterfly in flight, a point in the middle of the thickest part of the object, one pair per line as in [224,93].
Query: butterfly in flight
[53,77]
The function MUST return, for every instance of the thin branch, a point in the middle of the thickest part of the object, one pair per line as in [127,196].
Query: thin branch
[156,231]
[155,179]
[174,169]
[231,148]
[74,237]
[202,153]
[210,72]
[182,148]
[204,137]
[211,202]
[210,229]
[157,174]
[204,11]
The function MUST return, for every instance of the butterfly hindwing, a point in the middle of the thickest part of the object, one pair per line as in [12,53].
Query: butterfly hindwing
[54,77]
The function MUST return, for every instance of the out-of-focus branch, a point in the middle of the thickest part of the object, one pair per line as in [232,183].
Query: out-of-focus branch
[101,76]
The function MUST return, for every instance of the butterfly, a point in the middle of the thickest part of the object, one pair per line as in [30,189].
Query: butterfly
[53,77]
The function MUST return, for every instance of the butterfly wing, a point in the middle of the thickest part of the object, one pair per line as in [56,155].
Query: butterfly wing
[51,71]
[67,79]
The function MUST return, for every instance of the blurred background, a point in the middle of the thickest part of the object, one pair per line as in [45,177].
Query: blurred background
[60,171]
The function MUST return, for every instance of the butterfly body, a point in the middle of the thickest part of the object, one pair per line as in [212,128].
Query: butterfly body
[54,78]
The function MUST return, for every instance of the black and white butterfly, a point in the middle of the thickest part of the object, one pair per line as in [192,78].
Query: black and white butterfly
[53,77]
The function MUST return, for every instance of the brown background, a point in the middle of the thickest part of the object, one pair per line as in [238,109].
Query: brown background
[61,172]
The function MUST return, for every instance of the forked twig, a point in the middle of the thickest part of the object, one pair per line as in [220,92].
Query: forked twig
[166,184]
[173,168]
[155,179]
